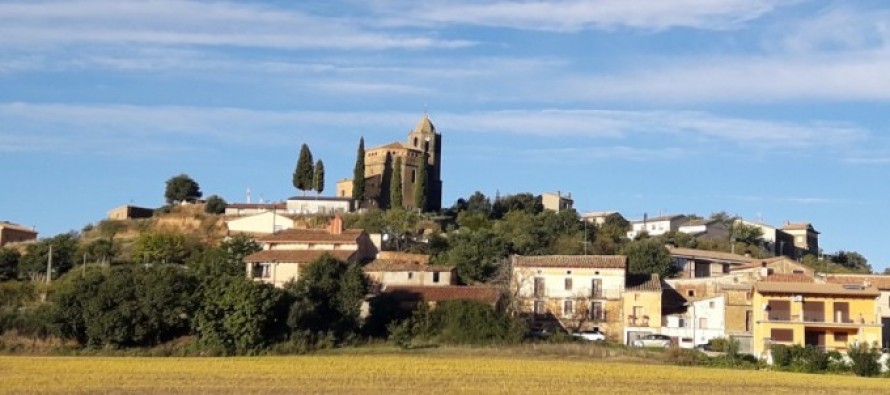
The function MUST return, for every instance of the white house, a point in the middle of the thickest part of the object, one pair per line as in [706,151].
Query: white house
[319,205]
[258,224]
[711,229]
[703,320]
[598,217]
[656,226]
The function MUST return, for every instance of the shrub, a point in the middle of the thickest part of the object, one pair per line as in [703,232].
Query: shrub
[781,355]
[684,357]
[471,322]
[865,359]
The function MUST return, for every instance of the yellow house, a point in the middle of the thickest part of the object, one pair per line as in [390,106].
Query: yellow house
[641,306]
[830,316]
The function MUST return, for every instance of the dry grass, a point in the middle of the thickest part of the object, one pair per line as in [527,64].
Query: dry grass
[399,373]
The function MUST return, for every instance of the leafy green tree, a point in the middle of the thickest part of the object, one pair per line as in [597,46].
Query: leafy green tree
[748,234]
[648,256]
[358,174]
[851,260]
[304,171]
[239,316]
[215,205]
[473,322]
[64,248]
[103,250]
[318,177]
[9,264]
[523,202]
[477,255]
[126,306]
[421,187]
[182,188]
[328,297]
[225,260]
[161,247]
[479,203]
[395,184]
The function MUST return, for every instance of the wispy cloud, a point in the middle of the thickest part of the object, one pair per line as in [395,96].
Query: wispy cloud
[574,15]
[631,133]
[191,23]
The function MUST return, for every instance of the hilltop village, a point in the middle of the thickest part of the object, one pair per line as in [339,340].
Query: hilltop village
[684,280]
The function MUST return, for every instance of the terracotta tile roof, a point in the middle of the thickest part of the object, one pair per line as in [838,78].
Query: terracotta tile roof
[643,283]
[578,261]
[815,289]
[485,294]
[389,265]
[712,255]
[799,226]
[875,280]
[349,236]
[789,278]
[10,225]
[295,256]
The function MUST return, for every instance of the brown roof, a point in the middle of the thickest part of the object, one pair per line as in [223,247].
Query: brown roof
[643,283]
[799,226]
[10,225]
[349,236]
[705,254]
[295,256]
[452,292]
[789,278]
[578,261]
[815,289]
[390,265]
[875,280]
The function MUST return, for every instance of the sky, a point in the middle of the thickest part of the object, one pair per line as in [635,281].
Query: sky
[772,110]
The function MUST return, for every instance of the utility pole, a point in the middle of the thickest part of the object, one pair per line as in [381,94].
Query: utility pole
[49,265]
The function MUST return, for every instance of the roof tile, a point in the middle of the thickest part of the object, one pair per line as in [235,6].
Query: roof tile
[577,261]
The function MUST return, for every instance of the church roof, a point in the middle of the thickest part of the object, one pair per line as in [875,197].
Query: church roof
[425,125]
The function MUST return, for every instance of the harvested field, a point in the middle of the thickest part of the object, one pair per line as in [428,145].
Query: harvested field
[401,373]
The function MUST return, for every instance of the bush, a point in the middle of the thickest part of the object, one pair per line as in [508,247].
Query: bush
[781,355]
[865,359]
[684,357]
[215,205]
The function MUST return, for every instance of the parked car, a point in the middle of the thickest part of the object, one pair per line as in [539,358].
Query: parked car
[545,332]
[594,335]
[653,340]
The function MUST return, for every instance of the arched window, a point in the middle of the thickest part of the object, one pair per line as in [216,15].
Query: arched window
[415,141]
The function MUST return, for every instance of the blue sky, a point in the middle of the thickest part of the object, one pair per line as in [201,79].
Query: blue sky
[767,109]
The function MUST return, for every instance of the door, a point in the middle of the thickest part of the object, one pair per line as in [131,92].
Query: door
[815,338]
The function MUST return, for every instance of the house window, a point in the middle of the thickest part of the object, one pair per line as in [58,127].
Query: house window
[779,310]
[840,337]
[540,307]
[596,288]
[435,277]
[636,297]
[410,275]
[568,308]
[597,313]
[782,335]
[711,304]
[703,323]
[568,283]
[690,292]
[262,270]
[539,287]
[749,321]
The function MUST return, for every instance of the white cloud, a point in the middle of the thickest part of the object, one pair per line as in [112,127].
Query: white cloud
[51,126]
[190,23]
[574,15]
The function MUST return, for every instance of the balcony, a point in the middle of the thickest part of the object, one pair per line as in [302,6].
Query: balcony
[633,320]
[820,320]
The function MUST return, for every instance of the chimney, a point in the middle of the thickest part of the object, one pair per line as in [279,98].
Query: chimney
[336,225]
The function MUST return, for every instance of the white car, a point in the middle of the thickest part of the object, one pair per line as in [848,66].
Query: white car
[594,335]
[653,340]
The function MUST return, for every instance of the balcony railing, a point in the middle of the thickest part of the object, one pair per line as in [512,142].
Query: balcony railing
[633,320]
[819,319]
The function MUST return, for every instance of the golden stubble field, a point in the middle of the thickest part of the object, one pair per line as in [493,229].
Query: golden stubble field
[401,373]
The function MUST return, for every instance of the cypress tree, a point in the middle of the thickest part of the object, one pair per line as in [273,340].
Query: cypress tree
[358,175]
[395,185]
[318,180]
[304,173]
[420,187]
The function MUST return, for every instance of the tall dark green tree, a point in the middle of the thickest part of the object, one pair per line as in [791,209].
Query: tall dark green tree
[395,184]
[215,205]
[358,175]
[329,296]
[318,177]
[304,173]
[182,188]
[420,184]
[9,264]
[648,256]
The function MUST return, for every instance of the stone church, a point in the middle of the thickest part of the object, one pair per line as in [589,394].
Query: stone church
[379,162]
